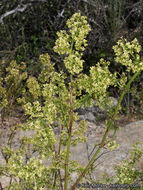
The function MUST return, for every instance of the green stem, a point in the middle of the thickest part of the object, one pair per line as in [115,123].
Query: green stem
[109,125]
[70,131]
[69,141]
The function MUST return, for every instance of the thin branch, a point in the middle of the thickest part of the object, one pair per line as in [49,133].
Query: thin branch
[89,2]
[63,10]
[69,139]
[131,5]
[60,179]
[41,1]
[56,157]
[17,9]
[92,3]
[135,7]
[99,157]
[20,8]
[93,21]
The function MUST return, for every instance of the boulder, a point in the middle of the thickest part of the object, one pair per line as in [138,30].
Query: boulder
[126,136]
[94,113]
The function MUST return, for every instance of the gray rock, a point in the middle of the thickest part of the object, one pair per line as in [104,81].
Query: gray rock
[93,112]
[94,109]
[114,102]
[88,116]
[126,136]
[4,181]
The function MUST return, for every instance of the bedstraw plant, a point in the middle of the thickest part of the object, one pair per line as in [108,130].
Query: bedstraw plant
[63,93]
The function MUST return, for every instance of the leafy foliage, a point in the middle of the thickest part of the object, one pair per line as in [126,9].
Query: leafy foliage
[126,172]
[52,99]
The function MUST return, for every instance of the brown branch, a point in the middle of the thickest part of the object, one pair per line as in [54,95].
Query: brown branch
[20,8]
[17,9]
[69,139]
[60,179]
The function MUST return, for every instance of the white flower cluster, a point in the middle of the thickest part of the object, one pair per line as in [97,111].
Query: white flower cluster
[127,53]
[79,28]
[74,63]
[70,44]
[62,45]
[112,145]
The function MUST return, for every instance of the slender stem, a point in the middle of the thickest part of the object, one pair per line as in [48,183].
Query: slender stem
[57,157]
[109,125]
[55,179]
[70,131]
[94,149]
[59,150]
[69,140]
[60,179]
[60,143]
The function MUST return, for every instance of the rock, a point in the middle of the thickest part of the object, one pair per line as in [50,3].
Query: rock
[94,109]
[126,136]
[88,116]
[93,113]
[114,101]
[4,181]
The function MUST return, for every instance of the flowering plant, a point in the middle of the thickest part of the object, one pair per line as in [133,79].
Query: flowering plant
[60,101]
